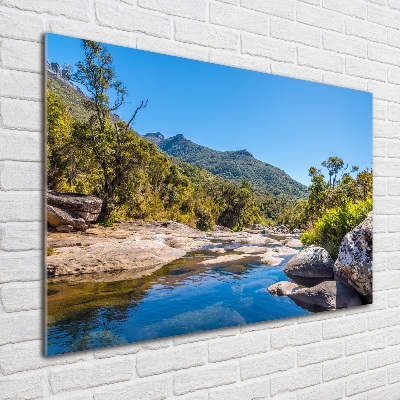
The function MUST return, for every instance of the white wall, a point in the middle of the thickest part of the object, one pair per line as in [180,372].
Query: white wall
[335,355]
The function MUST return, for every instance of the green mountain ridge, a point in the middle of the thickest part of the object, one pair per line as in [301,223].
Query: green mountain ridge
[233,165]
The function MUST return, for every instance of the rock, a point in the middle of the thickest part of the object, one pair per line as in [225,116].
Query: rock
[291,242]
[57,217]
[271,261]
[354,261]
[279,229]
[282,288]
[311,262]
[223,259]
[328,295]
[64,228]
[87,207]
[296,231]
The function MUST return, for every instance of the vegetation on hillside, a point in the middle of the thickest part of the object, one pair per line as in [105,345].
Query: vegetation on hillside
[235,165]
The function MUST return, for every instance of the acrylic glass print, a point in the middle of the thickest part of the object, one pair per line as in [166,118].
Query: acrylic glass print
[186,196]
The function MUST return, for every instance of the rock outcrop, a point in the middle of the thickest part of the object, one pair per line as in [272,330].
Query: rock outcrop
[57,217]
[311,262]
[87,207]
[354,261]
[327,295]
[282,288]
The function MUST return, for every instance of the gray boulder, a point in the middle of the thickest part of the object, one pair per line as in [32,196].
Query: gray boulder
[57,217]
[282,288]
[64,228]
[311,262]
[87,207]
[328,295]
[354,262]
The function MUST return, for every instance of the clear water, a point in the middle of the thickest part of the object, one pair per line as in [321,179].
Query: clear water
[182,297]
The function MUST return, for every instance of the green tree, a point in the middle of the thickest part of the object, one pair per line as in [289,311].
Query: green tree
[110,140]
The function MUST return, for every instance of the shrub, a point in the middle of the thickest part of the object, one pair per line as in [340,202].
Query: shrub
[50,251]
[330,228]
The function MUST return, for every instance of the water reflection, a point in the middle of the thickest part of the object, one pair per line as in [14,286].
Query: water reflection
[183,296]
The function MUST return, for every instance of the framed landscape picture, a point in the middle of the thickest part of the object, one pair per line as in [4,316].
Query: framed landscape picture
[185,196]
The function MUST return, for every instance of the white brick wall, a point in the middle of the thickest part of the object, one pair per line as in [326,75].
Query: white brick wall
[345,354]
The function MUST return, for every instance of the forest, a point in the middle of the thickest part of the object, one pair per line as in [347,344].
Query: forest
[91,150]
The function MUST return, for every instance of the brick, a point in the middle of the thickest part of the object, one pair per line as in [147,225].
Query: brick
[253,367]
[344,44]
[89,31]
[298,379]
[22,146]
[203,378]
[383,319]
[388,279]
[205,35]
[20,26]
[295,32]
[16,236]
[365,382]
[31,386]
[379,110]
[383,54]
[365,342]
[385,393]
[296,335]
[319,17]
[22,114]
[343,327]
[90,375]
[207,335]
[128,18]
[387,242]
[296,71]
[394,4]
[393,298]
[394,75]
[18,267]
[388,205]
[249,391]
[15,298]
[319,353]
[354,8]
[366,69]
[350,82]
[386,129]
[171,359]
[29,85]
[150,390]
[383,91]
[239,60]
[234,347]
[21,55]
[344,367]
[393,38]
[382,358]
[393,374]
[379,190]
[330,391]
[393,112]
[393,187]
[172,48]
[28,356]
[316,58]
[21,206]
[28,323]
[283,9]
[384,16]
[20,175]
[365,30]
[268,48]
[194,9]
[76,9]
[239,18]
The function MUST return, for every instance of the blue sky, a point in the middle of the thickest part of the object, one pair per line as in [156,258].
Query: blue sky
[289,123]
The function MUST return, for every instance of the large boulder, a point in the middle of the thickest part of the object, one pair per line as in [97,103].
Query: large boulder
[327,295]
[57,217]
[354,261]
[282,288]
[87,207]
[311,262]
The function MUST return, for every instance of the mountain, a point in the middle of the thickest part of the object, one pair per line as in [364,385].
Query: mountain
[234,165]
